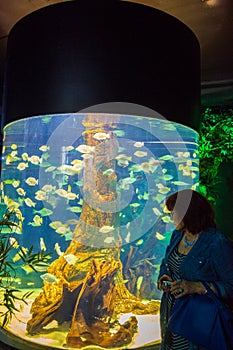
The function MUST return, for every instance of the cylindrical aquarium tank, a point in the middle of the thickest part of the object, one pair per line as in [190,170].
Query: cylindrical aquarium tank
[88,190]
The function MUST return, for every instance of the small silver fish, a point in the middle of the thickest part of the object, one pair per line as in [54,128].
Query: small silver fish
[31,181]
[179,183]
[139,242]
[48,277]
[156,211]
[139,282]
[56,224]
[71,259]
[166,157]
[123,163]
[41,268]
[42,244]
[21,166]
[128,180]
[48,188]
[140,154]
[50,169]
[108,172]
[43,212]
[159,236]
[119,133]
[135,205]
[138,144]
[57,248]
[85,149]
[44,148]
[21,191]
[69,148]
[100,136]
[166,219]
[166,177]
[109,240]
[106,229]
[164,190]
[127,238]
[75,209]
[29,202]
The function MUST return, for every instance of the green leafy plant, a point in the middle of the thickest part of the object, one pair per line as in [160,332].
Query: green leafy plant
[215,147]
[9,295]
[34,260]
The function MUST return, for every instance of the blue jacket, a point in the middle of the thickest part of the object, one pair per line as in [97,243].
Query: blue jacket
[210,260]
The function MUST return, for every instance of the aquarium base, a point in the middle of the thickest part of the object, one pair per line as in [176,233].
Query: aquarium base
[13,342]
[54,337]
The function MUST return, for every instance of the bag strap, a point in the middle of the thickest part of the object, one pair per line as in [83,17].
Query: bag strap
[211,294]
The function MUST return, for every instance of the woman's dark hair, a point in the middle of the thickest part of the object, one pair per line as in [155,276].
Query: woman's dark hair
[195,211]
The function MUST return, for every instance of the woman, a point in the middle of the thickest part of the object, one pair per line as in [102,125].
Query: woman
[197,252]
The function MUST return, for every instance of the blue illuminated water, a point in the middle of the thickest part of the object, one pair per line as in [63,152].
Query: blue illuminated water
[53,164]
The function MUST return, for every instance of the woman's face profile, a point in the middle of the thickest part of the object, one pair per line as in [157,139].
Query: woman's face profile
[179,224]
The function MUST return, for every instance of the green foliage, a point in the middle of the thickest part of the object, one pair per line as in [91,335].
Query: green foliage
[10,219]
[215,147]
[34,260]
[8,301]
[8,293]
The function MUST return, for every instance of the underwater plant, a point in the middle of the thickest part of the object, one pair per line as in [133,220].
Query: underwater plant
[215,147]
[9,294]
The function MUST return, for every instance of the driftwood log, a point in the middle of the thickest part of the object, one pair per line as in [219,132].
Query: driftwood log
[97,327]
[91,293]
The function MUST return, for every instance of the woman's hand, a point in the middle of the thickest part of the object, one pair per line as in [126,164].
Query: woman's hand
[183,287]
[160,282]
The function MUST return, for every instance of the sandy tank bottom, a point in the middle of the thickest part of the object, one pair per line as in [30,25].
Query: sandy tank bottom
[55,336]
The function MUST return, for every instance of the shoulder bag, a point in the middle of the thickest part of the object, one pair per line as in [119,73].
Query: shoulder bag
[204,320]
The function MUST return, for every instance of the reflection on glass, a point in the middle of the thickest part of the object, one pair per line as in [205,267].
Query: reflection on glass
[91,191]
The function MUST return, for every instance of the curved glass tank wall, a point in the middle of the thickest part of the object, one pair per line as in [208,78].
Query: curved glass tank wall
[90,190]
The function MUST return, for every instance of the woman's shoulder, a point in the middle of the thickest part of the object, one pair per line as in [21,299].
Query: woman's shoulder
[216,237]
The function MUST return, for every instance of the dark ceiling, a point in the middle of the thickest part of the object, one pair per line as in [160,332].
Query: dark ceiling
[210,20]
